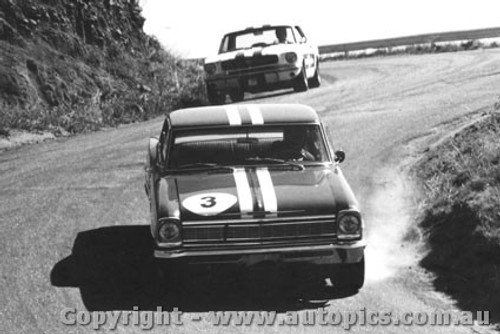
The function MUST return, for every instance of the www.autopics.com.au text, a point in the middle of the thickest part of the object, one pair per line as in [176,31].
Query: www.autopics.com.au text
[320,317]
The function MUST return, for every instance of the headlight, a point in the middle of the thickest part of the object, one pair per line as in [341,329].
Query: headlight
[349,225]
[169,232]
[291,57]
[210,68]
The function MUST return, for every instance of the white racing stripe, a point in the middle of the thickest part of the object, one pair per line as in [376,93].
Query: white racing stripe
[267,189]
[255,114]
[243,189]
[233,115]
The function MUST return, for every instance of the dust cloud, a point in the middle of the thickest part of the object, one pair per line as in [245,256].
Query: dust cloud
[389,219]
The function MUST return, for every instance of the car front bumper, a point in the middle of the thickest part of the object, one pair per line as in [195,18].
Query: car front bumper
[315,254]
[255,79]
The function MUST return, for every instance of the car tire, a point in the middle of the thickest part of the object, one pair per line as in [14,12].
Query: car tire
[315,81]
[350,276]
[215,97]
[237,95]
[301,82]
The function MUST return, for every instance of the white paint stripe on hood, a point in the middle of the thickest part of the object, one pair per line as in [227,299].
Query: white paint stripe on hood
[267,189]
[255,114]
[243,190]
[233,115]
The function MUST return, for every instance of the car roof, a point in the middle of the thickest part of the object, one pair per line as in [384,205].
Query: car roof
[243,115]
[257,28]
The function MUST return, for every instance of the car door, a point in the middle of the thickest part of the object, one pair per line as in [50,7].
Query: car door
[157,158]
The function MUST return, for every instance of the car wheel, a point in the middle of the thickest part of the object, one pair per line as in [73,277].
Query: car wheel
[215,97]
[301,83]
[315,81]
[237,95]
[350,276]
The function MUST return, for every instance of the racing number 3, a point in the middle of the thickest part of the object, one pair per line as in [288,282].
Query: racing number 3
[209,204]
[208,201]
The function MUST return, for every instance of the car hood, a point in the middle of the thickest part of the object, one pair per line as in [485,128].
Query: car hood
[275,49]
[260,193]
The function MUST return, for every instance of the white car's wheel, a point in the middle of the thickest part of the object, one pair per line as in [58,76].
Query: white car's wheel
[237,95]
[301,82]
[315,81]
[215,97]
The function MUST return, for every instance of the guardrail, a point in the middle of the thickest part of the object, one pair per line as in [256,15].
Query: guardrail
[412,40]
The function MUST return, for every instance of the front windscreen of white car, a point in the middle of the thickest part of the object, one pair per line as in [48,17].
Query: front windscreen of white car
[253,38]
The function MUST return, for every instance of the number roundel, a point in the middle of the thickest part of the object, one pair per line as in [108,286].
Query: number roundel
[209,204]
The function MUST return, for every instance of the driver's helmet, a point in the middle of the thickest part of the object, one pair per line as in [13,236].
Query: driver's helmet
[294,136]
[281,34]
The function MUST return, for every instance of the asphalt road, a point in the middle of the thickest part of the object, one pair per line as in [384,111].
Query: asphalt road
[74,214]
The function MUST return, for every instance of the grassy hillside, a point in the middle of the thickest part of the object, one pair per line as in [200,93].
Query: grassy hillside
[462,220]
[70,66]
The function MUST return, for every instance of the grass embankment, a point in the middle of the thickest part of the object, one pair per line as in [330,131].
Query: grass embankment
[462,218]
[68,67]
[107,93]
[100,89]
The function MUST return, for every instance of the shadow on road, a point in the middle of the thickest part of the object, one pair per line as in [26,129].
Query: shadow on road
[259,96]
[115,270]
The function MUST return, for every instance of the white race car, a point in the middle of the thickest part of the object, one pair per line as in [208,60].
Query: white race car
[261,59]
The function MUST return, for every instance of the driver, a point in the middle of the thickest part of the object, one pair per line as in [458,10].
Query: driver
[281,35]
[292,147]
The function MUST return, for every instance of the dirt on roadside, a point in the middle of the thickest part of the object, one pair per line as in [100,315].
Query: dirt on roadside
[461,217]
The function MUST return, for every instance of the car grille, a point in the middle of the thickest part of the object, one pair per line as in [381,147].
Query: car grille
[242,63]
[255,232]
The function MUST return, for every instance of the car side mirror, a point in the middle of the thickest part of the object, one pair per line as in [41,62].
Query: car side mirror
[153,150]
[303,39]
[339,156]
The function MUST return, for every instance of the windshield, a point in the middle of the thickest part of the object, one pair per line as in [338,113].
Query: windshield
[257,37]
[247,146]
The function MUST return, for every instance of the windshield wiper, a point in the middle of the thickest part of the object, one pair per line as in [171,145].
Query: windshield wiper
[276,161]
[200,165]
